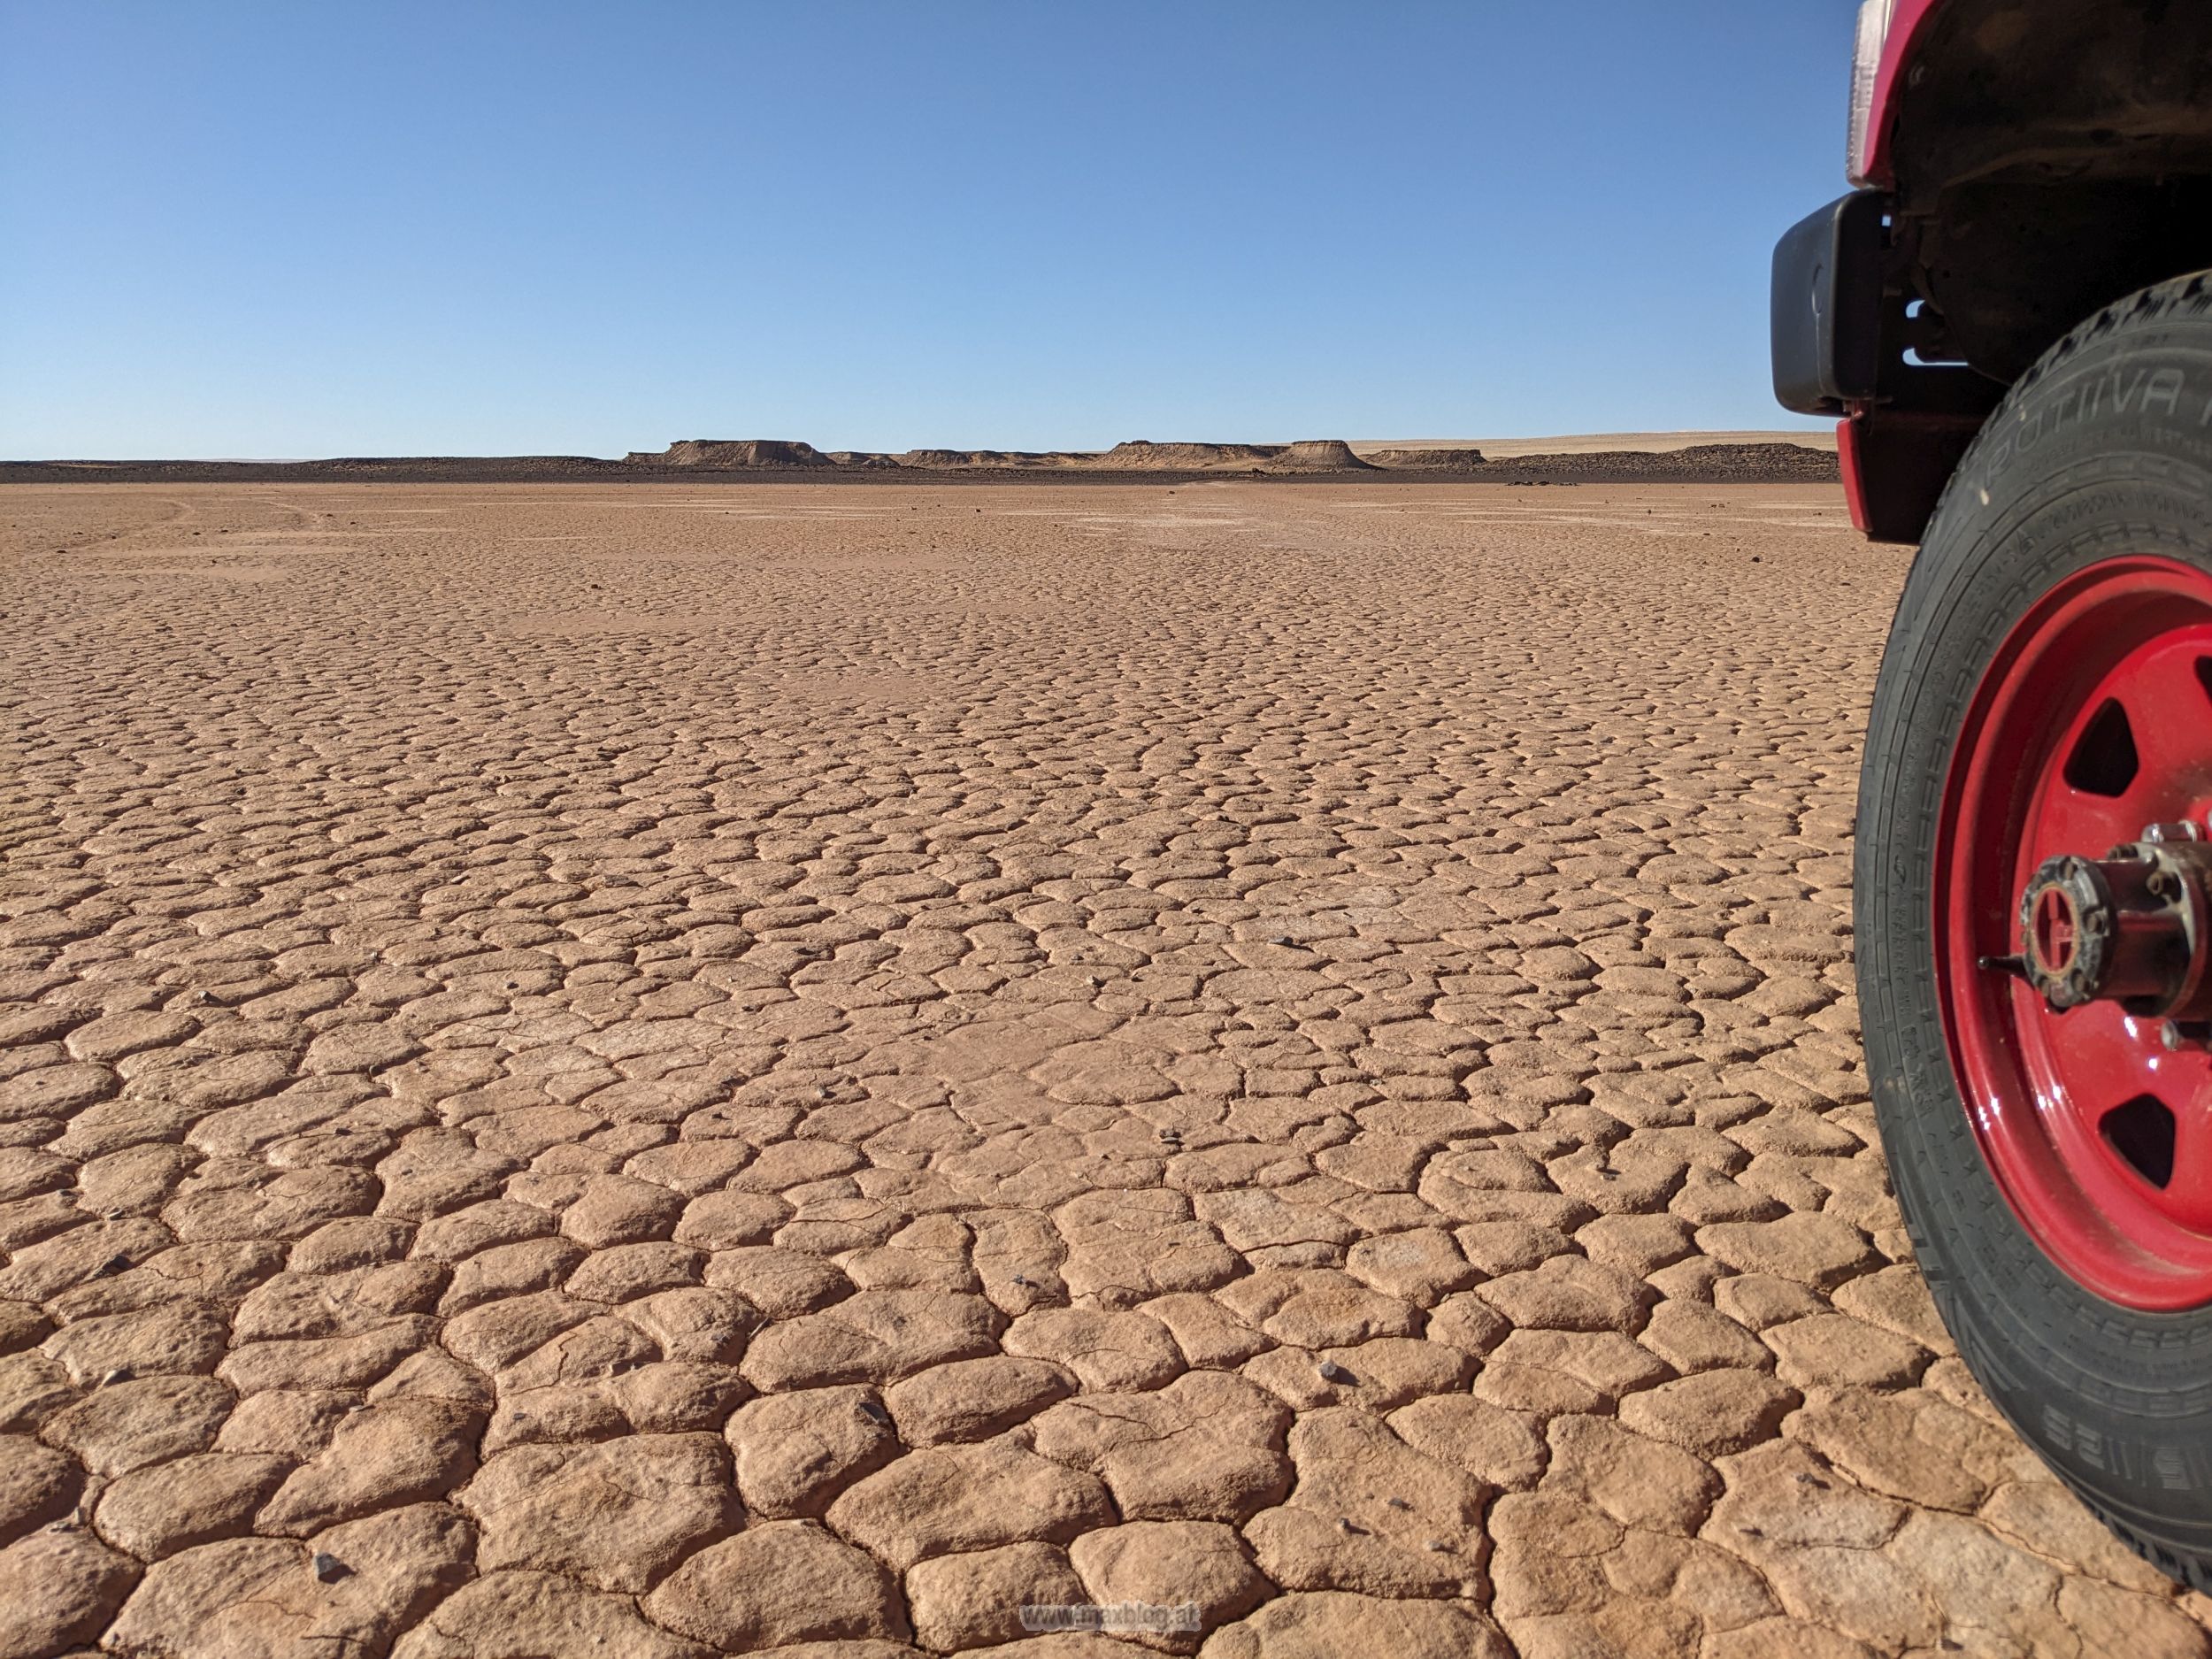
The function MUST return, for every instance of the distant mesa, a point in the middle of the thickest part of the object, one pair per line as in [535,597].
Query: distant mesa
[1312,457]
[1769,456]
[730,455]
[1319,455]
[1139,455]
[937,460]
[1745,457]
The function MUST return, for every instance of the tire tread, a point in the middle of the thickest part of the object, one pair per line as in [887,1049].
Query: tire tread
[1944,606]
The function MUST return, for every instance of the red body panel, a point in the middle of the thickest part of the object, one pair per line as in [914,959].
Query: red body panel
[1907,24]
[1854,479]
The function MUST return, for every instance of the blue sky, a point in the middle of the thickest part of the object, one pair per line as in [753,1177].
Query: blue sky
[232,229]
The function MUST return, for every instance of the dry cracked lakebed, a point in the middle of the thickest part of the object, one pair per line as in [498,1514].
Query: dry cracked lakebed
[687,1070]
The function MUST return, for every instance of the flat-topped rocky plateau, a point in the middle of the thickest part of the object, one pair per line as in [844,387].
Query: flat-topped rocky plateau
[685,1069]
[1739,458]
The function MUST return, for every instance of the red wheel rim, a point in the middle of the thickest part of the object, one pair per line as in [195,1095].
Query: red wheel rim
[2080,1114]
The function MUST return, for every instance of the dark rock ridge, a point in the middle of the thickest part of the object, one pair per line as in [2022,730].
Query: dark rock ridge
[1428,460]
[1697,463]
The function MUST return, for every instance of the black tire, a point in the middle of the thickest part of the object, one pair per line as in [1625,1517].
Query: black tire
[2117,1402]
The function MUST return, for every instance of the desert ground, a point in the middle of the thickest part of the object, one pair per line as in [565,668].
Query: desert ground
[663,1069]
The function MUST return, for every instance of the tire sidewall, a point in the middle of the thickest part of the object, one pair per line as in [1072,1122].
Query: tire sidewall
[2104,448]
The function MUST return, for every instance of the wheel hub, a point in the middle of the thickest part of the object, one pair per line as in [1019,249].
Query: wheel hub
[2134,928]
[2075,855]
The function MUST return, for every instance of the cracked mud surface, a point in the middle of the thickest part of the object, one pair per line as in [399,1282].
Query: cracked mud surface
[725,1070]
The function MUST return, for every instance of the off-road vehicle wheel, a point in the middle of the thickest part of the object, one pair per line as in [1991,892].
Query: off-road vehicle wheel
[2035,914]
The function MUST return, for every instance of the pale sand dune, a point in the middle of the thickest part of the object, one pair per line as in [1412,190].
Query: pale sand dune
[1594,443]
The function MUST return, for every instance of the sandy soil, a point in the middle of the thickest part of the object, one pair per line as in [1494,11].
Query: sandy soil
[673,1069]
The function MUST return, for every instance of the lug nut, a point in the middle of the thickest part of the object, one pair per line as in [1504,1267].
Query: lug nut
[2169,1034]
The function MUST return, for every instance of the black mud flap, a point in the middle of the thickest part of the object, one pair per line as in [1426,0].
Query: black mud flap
[1826,313]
